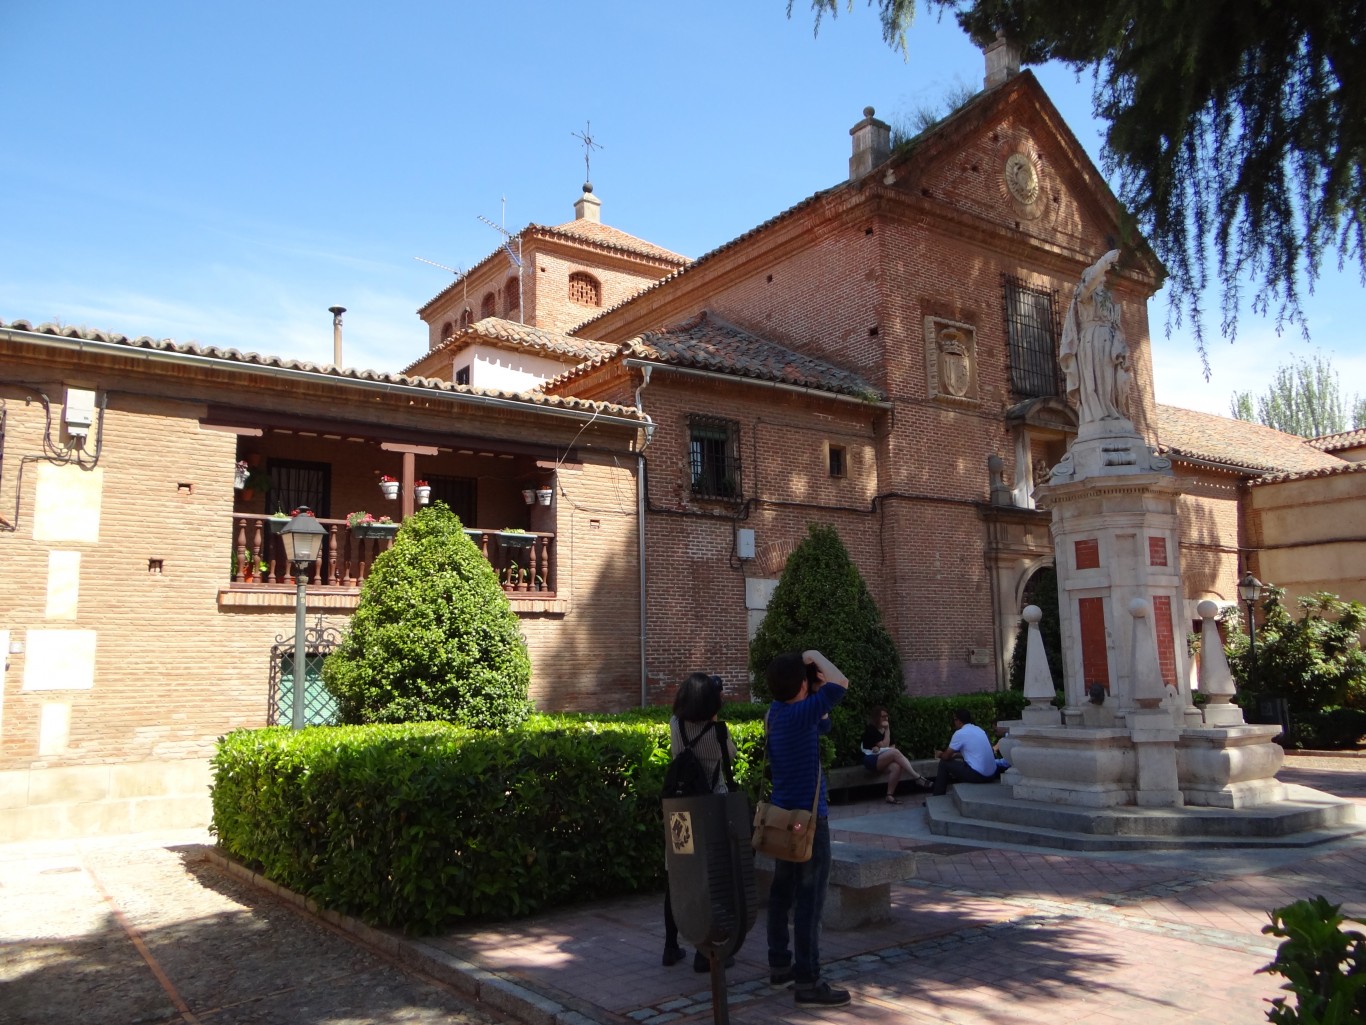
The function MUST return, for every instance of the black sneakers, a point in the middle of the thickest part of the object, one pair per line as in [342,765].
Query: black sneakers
[822,994]
[672,955]
[780,976]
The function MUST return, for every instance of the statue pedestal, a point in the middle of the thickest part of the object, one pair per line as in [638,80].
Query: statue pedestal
[1154,738]
[1230,768]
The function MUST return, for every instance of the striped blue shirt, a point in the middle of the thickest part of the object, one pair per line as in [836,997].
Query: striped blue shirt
[794,746]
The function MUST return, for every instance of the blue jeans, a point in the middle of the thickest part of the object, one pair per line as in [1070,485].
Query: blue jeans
[799,888]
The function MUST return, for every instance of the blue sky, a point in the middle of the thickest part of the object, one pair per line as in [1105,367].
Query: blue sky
[223,173]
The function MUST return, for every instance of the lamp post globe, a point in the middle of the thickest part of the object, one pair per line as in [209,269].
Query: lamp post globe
[1250,589]
[303,540]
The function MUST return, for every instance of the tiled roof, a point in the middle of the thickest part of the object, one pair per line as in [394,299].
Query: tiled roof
[605,235]
[342,375]
[706,257]
[1238,443]
[707,343]
[940,133]
[507,334]
[578,231]
[1338,442]
[1323,471]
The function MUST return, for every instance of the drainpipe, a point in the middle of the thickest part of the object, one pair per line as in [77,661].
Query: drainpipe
[640,535]
[336,312]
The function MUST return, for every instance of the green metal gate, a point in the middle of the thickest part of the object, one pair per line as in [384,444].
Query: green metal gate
[320,707]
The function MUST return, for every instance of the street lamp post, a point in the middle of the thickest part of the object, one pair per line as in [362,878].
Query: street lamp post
[1250,589]
[303,539]
[1271,707]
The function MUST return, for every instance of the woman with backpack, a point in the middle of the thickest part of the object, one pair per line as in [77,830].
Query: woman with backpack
[694,729]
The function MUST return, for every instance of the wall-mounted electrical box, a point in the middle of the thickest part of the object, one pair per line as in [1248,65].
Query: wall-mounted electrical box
[79,411]
[744,543]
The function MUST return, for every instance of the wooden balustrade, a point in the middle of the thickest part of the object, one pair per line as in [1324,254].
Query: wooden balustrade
[524,562]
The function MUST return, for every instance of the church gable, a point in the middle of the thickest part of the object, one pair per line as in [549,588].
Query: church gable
[1008,159]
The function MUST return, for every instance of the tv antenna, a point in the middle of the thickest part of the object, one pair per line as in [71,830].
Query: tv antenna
[589,144]
[459,275]
[514,255]
[454,270]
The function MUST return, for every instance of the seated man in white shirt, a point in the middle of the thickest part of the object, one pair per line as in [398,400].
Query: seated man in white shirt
[969,757]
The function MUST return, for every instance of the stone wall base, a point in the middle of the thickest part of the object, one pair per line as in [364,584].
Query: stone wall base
[94,800]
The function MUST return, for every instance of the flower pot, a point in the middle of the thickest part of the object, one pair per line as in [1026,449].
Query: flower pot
[544,495]
[529,496]
[247,494]
[375,530]
[389,489]
[515,540]
[423,495]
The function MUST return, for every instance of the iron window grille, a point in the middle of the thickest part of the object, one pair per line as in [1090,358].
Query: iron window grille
[488,306]
[1032,329]
[714,457]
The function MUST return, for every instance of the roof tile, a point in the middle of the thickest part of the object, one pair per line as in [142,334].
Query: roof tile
[530,398]
[507,334]
[707,343]
[1240,443]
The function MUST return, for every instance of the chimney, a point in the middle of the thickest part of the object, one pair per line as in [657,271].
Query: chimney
[1003,60]
[872,144]
[588,207]
[336,312]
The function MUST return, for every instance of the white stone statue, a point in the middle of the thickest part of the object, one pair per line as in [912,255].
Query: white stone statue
[1094,355]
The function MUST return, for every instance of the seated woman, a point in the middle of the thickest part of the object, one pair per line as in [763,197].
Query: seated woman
[879,754]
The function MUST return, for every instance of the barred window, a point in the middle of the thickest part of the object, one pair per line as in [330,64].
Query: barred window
[488,307]
[584,289]
[714,457]
[512,299]
[1032,330]
[446,331]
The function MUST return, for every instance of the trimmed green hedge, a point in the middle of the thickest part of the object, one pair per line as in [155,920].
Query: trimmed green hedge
[421,825]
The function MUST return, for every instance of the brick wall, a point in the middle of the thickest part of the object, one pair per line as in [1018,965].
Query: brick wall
[545,286]
[176,665]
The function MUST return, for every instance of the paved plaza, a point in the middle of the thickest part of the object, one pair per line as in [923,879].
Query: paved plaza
[159,929]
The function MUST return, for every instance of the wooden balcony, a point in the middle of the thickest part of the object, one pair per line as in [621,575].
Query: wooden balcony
[524,561]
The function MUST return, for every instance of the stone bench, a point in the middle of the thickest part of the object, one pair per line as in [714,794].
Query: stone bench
[851,777]
[860,882]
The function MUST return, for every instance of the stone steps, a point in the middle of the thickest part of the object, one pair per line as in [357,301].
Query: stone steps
[989,812]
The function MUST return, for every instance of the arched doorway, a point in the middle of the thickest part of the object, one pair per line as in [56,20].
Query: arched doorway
[1040,589]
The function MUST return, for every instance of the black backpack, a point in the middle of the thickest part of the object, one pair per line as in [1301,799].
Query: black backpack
[685,776]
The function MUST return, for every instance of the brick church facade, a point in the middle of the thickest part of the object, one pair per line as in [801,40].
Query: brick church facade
[635,440]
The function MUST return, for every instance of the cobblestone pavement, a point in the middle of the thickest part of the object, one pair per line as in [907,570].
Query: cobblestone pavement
[161,930]
[143,929]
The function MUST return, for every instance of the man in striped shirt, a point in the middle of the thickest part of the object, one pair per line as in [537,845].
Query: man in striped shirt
[805,687]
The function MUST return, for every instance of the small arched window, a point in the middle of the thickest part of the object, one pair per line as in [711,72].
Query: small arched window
[466,317]
[511,298]
[584,289]
[446,331]
[489,306]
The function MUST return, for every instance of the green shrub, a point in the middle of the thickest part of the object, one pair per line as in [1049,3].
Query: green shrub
[1325,966]
[1314,662]
[419,826]
[822,602]
[922,725]
[433,637]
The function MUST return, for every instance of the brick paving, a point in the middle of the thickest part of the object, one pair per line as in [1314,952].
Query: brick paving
[161,930]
